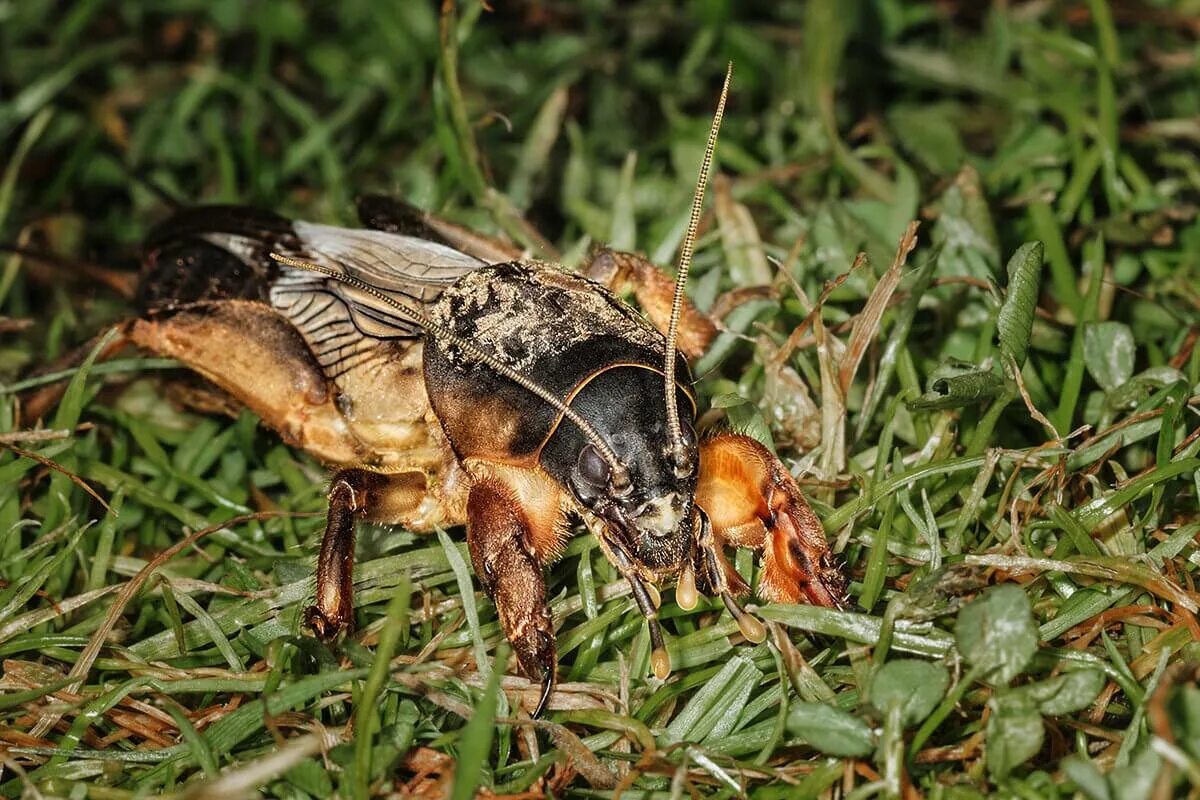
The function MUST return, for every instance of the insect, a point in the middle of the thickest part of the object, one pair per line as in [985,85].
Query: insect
[446,381]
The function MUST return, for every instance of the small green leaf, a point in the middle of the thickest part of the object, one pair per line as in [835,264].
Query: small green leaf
[1015,322]
[916,686]
[745,417]
[1135,781]
[1014,735]
[1014,730]
[1087,777]
[929,133]
[311,777]
[831,730]
[1064,693]
[996,634]
[961,792]
[1108,351]
[475,745]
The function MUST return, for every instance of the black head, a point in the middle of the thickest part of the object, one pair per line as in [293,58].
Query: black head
[650,521]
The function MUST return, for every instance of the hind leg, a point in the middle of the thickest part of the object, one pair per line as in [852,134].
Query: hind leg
[251,352]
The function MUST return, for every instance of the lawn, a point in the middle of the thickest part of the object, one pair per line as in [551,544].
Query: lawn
[1000,429]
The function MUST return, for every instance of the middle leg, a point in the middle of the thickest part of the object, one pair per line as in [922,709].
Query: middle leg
[502,538]
[404,498]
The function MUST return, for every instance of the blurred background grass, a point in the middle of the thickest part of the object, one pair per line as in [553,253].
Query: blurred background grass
[563,125]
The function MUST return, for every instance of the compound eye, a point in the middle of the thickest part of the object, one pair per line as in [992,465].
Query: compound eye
[592,466]
[683,451]
[688,433]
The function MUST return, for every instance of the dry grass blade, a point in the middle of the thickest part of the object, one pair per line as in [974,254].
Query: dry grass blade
[20,437]
[830,353]
[581,758]
[744,255]
[866,324]
[88,656]
[59,609]
[133,716]
[123,282]
[1106,568]
[54,465]
[797,418]
[10,325]
[1015,371]
[245,781]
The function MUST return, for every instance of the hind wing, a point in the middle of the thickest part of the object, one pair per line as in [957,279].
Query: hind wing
[223,252]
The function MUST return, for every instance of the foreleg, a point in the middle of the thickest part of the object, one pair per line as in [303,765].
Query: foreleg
[754,502]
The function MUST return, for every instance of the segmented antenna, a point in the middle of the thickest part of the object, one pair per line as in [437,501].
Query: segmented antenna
[676,446]
[617,472]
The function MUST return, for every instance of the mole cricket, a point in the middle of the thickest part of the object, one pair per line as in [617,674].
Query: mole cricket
[446,381]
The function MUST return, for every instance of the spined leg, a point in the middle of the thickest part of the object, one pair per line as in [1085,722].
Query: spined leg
[501,541]
[250,351]
[355,494]
[754,502]
[247,350]
[655,292]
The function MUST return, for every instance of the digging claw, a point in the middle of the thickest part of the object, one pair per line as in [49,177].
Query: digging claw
[539,661]
[325,627]
[547,688]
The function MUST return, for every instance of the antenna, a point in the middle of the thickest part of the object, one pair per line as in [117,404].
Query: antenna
[675,444]
[617,472]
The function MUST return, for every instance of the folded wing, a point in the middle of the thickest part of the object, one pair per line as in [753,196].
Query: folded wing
[224,252]
[342,323]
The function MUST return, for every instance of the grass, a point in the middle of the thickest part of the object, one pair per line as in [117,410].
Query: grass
[1002,440]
